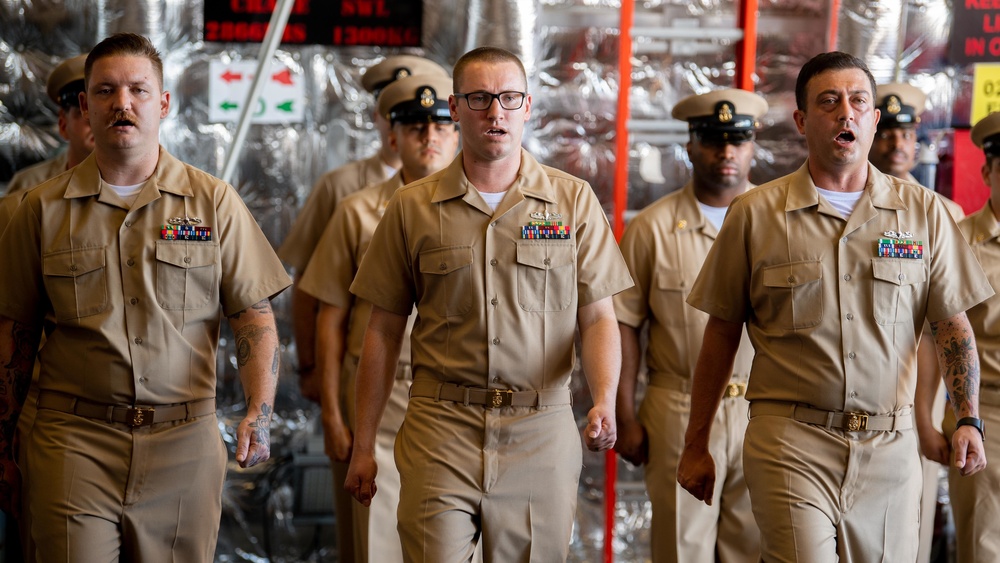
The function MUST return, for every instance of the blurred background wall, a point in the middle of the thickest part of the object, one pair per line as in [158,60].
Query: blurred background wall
[280,511]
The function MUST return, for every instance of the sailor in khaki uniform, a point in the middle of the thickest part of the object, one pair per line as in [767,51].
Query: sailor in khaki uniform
[975,500]
[298,247]
[894,151]
[63,87]
[426,140]
[504,259]
[132,257]
[834,269]
[664,246]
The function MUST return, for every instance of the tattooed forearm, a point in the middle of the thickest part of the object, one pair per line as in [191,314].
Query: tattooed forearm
[247,340]
[262,307]
[959,363]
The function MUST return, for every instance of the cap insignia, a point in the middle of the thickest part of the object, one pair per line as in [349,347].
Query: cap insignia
[892,105]
[401,73]
[427,98]
[725,112]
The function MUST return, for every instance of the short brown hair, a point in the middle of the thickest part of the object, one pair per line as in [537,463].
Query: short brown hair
[125,44]
[491,55]
[834,60]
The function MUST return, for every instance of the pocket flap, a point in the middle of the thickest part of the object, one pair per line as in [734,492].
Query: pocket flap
[442,261]
[73,263]
[545,256]
[899,271]
[670,280]
[792,274]
[185,254]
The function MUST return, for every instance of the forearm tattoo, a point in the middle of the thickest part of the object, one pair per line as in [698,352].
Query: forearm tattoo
[247,339]
[15,379]
[960,362]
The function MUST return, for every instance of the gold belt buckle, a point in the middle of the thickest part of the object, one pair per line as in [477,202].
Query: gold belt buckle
[734,390]
[496,398]
[139,416]
[856,421]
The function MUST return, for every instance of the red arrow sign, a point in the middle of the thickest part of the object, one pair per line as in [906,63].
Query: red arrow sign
[230,76]
[284,77]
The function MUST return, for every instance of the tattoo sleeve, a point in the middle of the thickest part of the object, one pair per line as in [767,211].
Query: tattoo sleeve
[959,363]
[18,345]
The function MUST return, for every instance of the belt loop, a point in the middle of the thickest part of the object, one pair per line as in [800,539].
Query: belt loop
[109,412]
[187,410]
[829,420]
[465,396]
[437,395]
[895,419]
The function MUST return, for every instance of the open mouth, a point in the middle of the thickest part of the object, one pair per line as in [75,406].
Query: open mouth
[495,132]
[846,137]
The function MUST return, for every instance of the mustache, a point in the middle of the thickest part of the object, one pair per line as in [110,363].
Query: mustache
[122,117]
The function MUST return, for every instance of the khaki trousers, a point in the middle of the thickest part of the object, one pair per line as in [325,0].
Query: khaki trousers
[684,529]
[106,492]
[505,477]
[829,496]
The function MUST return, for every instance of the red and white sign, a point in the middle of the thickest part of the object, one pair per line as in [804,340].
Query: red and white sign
[281,100]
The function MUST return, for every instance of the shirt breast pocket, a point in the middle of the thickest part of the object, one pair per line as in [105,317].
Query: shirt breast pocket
[667,299]
[77,282]
[546,276]
[447,275]
[186,274]
[894,288]
[793,294]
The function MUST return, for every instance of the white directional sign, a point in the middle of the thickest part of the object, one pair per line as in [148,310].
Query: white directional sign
[282,99]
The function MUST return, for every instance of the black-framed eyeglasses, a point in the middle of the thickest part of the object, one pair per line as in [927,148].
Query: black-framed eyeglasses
[479,101]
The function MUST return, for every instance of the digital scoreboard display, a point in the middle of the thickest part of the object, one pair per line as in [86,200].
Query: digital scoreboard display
[385,23]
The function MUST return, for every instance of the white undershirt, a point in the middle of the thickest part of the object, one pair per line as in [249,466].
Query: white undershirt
[493,199]
[715,215]
[127,193]
[845,202]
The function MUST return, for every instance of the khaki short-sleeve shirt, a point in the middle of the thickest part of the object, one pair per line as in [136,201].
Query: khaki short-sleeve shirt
[318,208]
[982,233]
[664,247]
[136,315]
[38,173]
[496,300]
[333,264]
[833,324]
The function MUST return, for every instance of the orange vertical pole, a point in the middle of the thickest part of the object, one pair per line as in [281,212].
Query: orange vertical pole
[746,49]
[623,113]
[831,39]
[620,203]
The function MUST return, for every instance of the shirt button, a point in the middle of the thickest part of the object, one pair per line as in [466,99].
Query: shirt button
[850,316]
[143,380]
[547,261]
[851,355]
[187,259]
[130,262]
[496,341]
[443,266]
[133,301]
[72,267]
[494,301]
[493,262]
[128,223]
[854,394]
[791,279]
[847,277]
[496,379]
[493,224]
[902,277]
[137,340]
[844,240]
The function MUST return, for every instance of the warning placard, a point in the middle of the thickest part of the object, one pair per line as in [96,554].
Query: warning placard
[985,91]
[282,99]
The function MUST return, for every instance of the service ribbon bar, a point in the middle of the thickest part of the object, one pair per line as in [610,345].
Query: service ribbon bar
[185,232]
[895,248]
[545,230]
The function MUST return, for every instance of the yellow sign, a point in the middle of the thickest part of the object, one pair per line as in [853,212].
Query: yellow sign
[985,91]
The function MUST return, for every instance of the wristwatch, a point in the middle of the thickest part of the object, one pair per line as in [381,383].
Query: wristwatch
[976,423]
